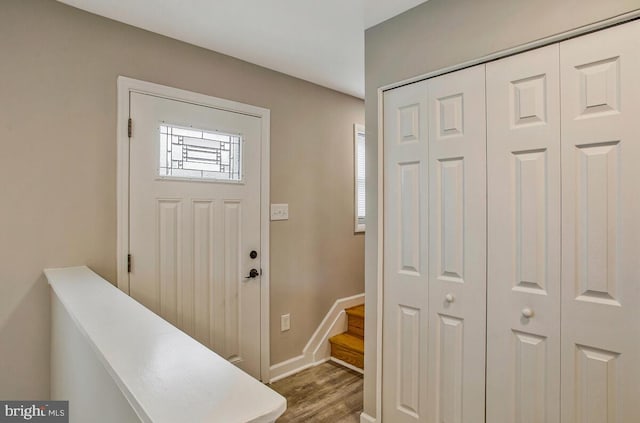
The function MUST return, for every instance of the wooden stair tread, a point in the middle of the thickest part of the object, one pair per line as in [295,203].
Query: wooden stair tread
[348,347]
[348,341]
[357,311]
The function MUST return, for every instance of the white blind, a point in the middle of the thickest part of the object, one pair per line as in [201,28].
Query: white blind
[360,176]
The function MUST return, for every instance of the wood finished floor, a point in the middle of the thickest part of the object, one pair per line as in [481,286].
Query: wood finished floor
[326,393]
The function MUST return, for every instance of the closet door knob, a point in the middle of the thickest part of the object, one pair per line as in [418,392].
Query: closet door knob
[450,298]
[527,312]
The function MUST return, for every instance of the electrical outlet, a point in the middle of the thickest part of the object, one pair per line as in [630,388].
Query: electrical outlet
[285,322]
[280,212]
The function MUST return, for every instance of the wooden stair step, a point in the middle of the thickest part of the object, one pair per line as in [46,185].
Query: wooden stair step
[349,341]
[357,311]
[355,317]
[348,348]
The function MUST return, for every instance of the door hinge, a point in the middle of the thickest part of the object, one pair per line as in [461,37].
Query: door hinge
[128,263]
[129,126]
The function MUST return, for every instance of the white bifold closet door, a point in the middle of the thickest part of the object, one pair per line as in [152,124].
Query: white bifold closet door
[435,243]
[457,247]
[523,301]
[405,250]
[601,226]
[516,230]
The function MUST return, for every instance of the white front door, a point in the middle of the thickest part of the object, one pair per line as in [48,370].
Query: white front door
[195,221]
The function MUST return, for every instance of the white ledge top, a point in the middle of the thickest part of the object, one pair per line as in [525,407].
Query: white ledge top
[165,375]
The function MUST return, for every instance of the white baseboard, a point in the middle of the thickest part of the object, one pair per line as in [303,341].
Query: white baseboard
[291,367]
[347,365]
[287,368]
[365,418]
[318,349]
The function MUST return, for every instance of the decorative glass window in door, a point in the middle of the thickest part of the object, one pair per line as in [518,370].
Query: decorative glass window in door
[199,154]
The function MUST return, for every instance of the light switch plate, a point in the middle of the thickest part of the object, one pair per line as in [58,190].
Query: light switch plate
[285,322]
[280,212]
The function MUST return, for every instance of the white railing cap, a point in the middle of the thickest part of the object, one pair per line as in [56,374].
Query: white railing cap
[165,375]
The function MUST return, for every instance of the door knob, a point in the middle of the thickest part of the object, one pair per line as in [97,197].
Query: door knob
[527,312]
[252,274]
[449,298]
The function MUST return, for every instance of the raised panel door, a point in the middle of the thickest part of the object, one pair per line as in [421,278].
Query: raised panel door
[190,236]
[405,327]
[457,247]
[601,226]
[523,299]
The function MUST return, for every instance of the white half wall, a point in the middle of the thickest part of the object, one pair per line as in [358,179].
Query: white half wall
[73,363]
[318,349]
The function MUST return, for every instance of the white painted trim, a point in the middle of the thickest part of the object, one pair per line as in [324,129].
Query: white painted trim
[265,262]
[322,348]
[347,365]
[317,350]
[330,325]
[288,367]
[616,20]
[122,187]
[357,129]
[291,367]
[596,26]
[365,418]
[380,264]
[128,85]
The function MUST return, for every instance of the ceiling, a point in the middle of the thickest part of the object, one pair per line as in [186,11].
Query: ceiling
[321,41]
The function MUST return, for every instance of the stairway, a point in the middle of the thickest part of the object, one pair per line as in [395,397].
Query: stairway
[348,347]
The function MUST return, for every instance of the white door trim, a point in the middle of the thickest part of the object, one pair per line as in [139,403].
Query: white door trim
[125,87]
[603,24]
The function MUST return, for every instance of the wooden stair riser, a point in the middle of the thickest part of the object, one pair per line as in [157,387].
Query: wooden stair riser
[355,325]
[347,355]
[355,318]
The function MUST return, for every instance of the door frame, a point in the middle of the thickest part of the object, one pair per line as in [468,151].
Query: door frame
[125,87]
[379,223]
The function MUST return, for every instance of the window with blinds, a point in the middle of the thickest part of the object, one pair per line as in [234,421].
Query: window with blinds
[359,166]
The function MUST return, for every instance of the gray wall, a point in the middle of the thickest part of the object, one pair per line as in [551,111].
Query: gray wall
[58,70]
[434,35]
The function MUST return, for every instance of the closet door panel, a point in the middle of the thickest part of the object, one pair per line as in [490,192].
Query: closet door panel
[405,326]
[457,244]
[523,300]
[601,226]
